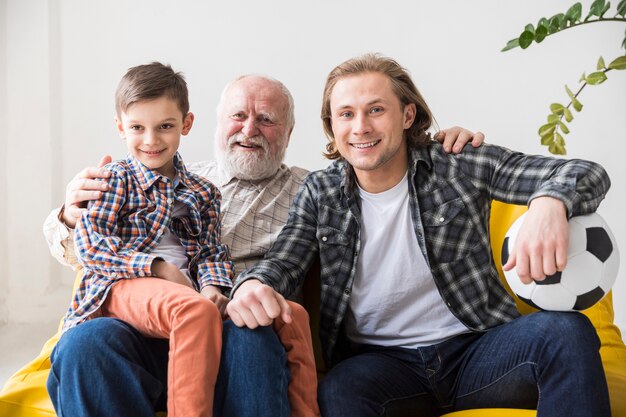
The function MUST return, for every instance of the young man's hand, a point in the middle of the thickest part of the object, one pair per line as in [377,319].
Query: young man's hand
[169,272]
[83,188]
[255,304]
[215,295]
[541,243]
[455,138]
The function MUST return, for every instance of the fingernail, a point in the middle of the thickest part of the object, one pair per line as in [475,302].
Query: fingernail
[104,186]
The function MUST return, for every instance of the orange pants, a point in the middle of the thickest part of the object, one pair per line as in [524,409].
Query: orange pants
[162,309]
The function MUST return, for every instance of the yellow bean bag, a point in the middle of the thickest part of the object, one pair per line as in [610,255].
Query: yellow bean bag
[25,395]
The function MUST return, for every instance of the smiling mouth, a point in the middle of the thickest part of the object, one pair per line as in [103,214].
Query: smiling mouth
[153,153]
[365,145]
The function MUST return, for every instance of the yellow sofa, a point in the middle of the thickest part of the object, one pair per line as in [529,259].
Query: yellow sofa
[25,395]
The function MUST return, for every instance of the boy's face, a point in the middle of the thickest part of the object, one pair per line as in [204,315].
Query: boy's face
[152,131]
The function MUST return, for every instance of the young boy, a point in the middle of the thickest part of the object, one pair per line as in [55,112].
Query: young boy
[151,248]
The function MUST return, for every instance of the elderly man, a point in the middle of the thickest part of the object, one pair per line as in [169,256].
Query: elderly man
[125,372]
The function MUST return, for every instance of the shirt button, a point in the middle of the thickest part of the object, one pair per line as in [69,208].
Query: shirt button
[346,291]
[114,275]
[441,219]
[160,232]
[170,201]
[324,238]
[141,273]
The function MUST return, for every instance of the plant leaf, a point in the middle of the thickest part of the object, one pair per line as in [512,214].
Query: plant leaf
[569,92]
[596,8]
[596,78]
[574,12]
[553,119]
[557,22]
[564,128]
[606,9]
[541,33]
[530,28]
[525,39]
[600,65]
[557,108]
[621,8]
[578,106]
[547,129]
[543,22]
[568,115]
[583,77]
[513,43]
[547,139]
[618,63]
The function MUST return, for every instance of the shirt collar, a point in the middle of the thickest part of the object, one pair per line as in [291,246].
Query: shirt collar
[416,155]
[226,178]
[147,177]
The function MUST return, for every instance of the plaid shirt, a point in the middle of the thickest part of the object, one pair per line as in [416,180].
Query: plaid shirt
[450,197]
[115,236]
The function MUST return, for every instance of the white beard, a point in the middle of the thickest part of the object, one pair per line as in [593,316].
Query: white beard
[253,166]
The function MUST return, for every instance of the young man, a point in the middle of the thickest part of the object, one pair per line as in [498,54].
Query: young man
[257,190]
[413,315]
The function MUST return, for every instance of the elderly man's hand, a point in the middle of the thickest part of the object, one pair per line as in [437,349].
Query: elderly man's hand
[83,188]
[455,138]
[256,304]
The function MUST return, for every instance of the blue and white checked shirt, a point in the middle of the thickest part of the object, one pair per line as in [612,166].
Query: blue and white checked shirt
[115,236]
[450,197]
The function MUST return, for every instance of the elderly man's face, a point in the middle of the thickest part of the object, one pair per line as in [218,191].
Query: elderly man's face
[252,128]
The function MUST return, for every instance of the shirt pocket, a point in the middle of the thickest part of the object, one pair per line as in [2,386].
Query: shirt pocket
[449,232]
[334,250]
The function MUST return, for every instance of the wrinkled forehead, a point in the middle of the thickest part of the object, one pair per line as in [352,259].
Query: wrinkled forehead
[255,95]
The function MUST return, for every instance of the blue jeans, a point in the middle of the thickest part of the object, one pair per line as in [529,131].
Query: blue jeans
[546,360]
[104,367]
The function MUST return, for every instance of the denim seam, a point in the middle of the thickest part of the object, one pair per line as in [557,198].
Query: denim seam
[384,405]
[498,379]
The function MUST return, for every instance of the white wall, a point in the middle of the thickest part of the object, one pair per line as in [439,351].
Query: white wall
[64,59]
[4,275]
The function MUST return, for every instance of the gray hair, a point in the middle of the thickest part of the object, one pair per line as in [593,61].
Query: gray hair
[291,118]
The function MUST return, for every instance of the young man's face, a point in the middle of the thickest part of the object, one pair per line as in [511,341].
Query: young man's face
[252,128]
[368,123]
[152,132]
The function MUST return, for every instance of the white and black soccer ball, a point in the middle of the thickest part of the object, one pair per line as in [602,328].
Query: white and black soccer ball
[592,264]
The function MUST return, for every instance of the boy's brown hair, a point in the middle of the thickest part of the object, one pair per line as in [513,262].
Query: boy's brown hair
[151,81]
[403,87]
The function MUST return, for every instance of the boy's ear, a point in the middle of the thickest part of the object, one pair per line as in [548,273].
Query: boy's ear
[187,123]
[120,128]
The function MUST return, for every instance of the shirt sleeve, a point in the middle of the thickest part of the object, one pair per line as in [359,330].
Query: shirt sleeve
[517,178]
[98,246]
[213,264]
[60,239]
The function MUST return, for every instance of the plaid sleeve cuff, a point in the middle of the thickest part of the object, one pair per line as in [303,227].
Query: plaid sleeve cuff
[218,274]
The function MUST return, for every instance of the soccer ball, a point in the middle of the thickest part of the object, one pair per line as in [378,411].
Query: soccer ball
[592,264]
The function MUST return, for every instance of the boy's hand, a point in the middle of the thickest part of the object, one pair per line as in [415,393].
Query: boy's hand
[215,295]
[169,272]
[83,188]
[256,304]
[455,138]
[541,245]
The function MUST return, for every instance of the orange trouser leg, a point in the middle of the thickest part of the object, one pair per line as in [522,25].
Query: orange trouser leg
[193,325]
[296,338]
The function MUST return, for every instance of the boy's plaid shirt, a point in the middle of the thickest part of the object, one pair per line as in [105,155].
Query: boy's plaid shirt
[116,234]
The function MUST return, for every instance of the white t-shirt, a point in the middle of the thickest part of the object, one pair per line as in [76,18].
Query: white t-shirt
[395,301]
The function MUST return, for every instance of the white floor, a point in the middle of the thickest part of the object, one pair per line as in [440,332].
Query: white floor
[19,343]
